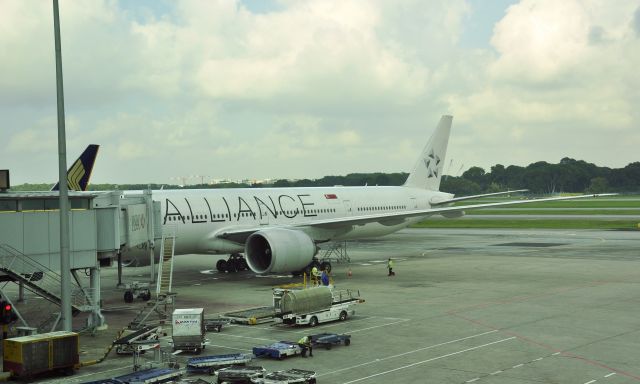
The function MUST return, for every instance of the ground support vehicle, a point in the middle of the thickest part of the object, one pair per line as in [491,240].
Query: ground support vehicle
[27,356]
[314,305]
[149,376]
[136,289]
[210,364]
[327,340]
[290,376]
[335,312]
[188,329]
[278,350]
[127,343]
[238,374]
[215,325]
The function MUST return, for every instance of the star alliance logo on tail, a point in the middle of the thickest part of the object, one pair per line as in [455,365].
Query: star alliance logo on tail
[431,162]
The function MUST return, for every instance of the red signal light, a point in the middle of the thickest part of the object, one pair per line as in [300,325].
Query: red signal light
[7,307]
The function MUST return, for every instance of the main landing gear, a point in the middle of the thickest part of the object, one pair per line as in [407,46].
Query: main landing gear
[235,263]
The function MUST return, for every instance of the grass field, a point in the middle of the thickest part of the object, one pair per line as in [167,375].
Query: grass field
[552,211]
[624,205]
[530,224]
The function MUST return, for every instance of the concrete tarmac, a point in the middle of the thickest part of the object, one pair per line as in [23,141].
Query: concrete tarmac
[465,306]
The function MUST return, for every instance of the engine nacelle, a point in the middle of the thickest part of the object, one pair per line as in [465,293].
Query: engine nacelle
[279,250]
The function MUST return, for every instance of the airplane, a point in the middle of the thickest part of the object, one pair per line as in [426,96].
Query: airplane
[279,229]
[79,173]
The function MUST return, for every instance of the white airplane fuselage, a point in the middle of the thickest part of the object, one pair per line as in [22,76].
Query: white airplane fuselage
[198,216]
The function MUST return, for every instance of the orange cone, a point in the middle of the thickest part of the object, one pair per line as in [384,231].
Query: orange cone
[349,274]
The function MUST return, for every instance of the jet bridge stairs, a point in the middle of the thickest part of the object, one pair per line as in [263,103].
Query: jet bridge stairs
[41,280]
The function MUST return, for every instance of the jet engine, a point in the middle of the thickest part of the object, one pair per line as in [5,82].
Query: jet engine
[279,250]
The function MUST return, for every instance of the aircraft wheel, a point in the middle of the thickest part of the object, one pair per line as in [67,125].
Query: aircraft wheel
[232,266]
[146,296]
[128,297]
[325,265]
[221,265]
[242,265]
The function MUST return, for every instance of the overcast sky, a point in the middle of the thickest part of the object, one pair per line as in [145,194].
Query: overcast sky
[301,89]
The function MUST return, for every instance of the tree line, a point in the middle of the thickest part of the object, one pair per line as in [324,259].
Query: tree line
[569,175]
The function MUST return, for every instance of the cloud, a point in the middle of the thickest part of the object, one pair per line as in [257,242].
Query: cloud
[308,88]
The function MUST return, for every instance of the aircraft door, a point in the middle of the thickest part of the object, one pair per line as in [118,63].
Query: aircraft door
[264,218]
[347,207]
[413,203]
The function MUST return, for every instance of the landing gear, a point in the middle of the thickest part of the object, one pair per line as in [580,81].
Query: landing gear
[235,263]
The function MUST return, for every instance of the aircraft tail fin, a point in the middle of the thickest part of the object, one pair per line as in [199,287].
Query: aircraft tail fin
[427,172]
[79,173]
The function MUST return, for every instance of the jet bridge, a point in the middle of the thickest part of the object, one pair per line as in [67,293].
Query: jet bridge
[101,225]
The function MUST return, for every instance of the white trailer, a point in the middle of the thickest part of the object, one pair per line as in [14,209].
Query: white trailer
[188,329]
[342,306]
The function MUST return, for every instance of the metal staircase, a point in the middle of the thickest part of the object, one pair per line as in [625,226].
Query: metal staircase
[165,269]
[36,277]
[336,251]
[162,305]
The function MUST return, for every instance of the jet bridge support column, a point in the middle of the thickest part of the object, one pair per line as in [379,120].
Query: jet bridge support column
[96,319]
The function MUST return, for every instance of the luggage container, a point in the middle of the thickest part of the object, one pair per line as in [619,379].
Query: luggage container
[188,329]
[27,356]
[209,364]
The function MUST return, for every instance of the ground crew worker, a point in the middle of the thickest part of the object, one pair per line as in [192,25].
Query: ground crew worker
[305,344]
[324,278]
[314,275]
[390,266]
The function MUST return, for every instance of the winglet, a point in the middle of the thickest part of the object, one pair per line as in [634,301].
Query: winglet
[427,172]
[79,173]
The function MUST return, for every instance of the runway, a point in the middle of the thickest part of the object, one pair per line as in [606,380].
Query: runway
[465,306]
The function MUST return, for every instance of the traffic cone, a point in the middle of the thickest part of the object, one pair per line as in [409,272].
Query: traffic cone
[349,274]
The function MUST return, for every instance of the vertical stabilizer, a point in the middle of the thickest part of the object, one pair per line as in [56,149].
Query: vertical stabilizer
[427,172]
[79,173]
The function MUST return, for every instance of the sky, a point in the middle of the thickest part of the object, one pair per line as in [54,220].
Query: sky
[178,91]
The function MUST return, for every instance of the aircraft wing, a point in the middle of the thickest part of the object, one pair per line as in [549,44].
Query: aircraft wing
[392,218]
[463,198]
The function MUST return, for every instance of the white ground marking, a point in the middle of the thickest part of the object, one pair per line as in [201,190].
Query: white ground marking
[429,360]
[517,366]
[379,326]
[247,337]
[589,382]
[407,353]
[609,375]
[472,380]
[496,372]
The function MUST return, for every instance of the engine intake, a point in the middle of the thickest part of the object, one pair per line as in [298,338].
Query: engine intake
[279,250]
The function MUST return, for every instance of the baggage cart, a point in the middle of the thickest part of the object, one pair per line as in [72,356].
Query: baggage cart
[251,316]
[215,325]
[327,340]
[149,376]
[278,350]
[210,364]
[290,376]
[238,374]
